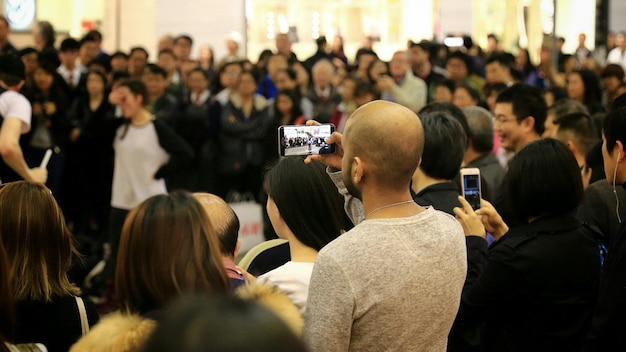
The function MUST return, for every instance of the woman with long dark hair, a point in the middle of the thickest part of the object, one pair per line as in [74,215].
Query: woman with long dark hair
[534,289]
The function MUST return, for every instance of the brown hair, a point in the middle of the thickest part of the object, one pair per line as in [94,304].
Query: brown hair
[167,248]
[39,245]
[7,314]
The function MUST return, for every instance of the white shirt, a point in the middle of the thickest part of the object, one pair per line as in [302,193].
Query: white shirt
[138,156]
[15,105]
[66,73]
[293,279]
[616,56]
[202,97]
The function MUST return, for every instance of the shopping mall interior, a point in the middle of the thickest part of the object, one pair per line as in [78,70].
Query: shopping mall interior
[390,22]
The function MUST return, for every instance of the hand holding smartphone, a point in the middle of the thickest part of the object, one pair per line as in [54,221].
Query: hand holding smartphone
[470,186]
[299,140]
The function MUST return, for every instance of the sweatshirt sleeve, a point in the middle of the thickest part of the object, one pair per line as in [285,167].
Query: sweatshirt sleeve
[352,205]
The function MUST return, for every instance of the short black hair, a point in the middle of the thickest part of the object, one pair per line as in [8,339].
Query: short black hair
[533,192]
[444,145]
[156,70]
[209,323]
[183,37]
[121,54]
[69,44]
[96,34]
[451,109]
[88,38]
[613,70]
[473,93]
[166,51]
[304,194]
[139,49]
[614,127]
[504,59]
[581,128]
[445,82]
[466,59]
[120,76]
[28,50]
[527,102]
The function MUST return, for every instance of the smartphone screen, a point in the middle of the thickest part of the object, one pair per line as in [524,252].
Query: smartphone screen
[305,140]
[471,189]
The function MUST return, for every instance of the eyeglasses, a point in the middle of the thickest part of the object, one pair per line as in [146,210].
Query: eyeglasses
[502,121]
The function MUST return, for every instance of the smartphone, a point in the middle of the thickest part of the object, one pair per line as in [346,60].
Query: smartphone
[470,186]
[295,140]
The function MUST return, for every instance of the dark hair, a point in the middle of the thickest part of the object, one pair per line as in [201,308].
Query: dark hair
[363,88]
[424,45]
[119,76]
[199,70]
[119,54]
[28,50]
[480,122]
[69,44]
[289,72]
[581,126]
[371,66]
[183,37]
[167,248]
[137,87]
[304,194]
[466,59]
[7,301]
[155,70]
[504,59]
[449,108]
[444,145]
[251,74]
[88,38]
[139,49]
[196,324]
[296,110]
[526,102]
[593,93]
[557,92]
[95,34]
[498,87]
[445,82]
[533,192]
[566,106]
[98,73]
[166,51]
[46,31]
[614,127]
[619,102]
[613,70]
[473,93]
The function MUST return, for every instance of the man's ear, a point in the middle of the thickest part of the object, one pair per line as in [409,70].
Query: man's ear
[357,170]
[620,150]
[528,124]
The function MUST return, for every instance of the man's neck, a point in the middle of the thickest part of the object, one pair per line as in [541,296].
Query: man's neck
[471,155]
[380,202]
[421,181]
[528,139]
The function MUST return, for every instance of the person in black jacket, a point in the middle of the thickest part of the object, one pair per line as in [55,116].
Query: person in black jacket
[535,288]
[609,318]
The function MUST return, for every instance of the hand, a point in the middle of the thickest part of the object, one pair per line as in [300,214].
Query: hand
[50,108]
[74,134]
[332,160]
[492,220]
[38,174]
[471,223]
[116,97]
[37,109]
[385,83]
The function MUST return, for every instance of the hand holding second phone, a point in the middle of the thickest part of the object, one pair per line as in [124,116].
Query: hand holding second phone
[469,220]
[332,160]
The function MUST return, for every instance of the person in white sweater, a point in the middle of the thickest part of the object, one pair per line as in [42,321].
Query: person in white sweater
[393,282]
[304,208]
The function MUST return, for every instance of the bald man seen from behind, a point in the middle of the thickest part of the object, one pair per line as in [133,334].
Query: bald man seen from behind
[393,282]
[226,225]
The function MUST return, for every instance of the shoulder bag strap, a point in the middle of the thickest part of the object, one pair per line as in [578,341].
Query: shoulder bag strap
[84,323]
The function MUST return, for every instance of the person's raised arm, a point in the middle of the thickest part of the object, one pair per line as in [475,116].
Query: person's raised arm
[11,151]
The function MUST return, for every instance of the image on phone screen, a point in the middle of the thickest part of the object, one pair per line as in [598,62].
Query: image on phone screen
[305,140]
[471,190]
